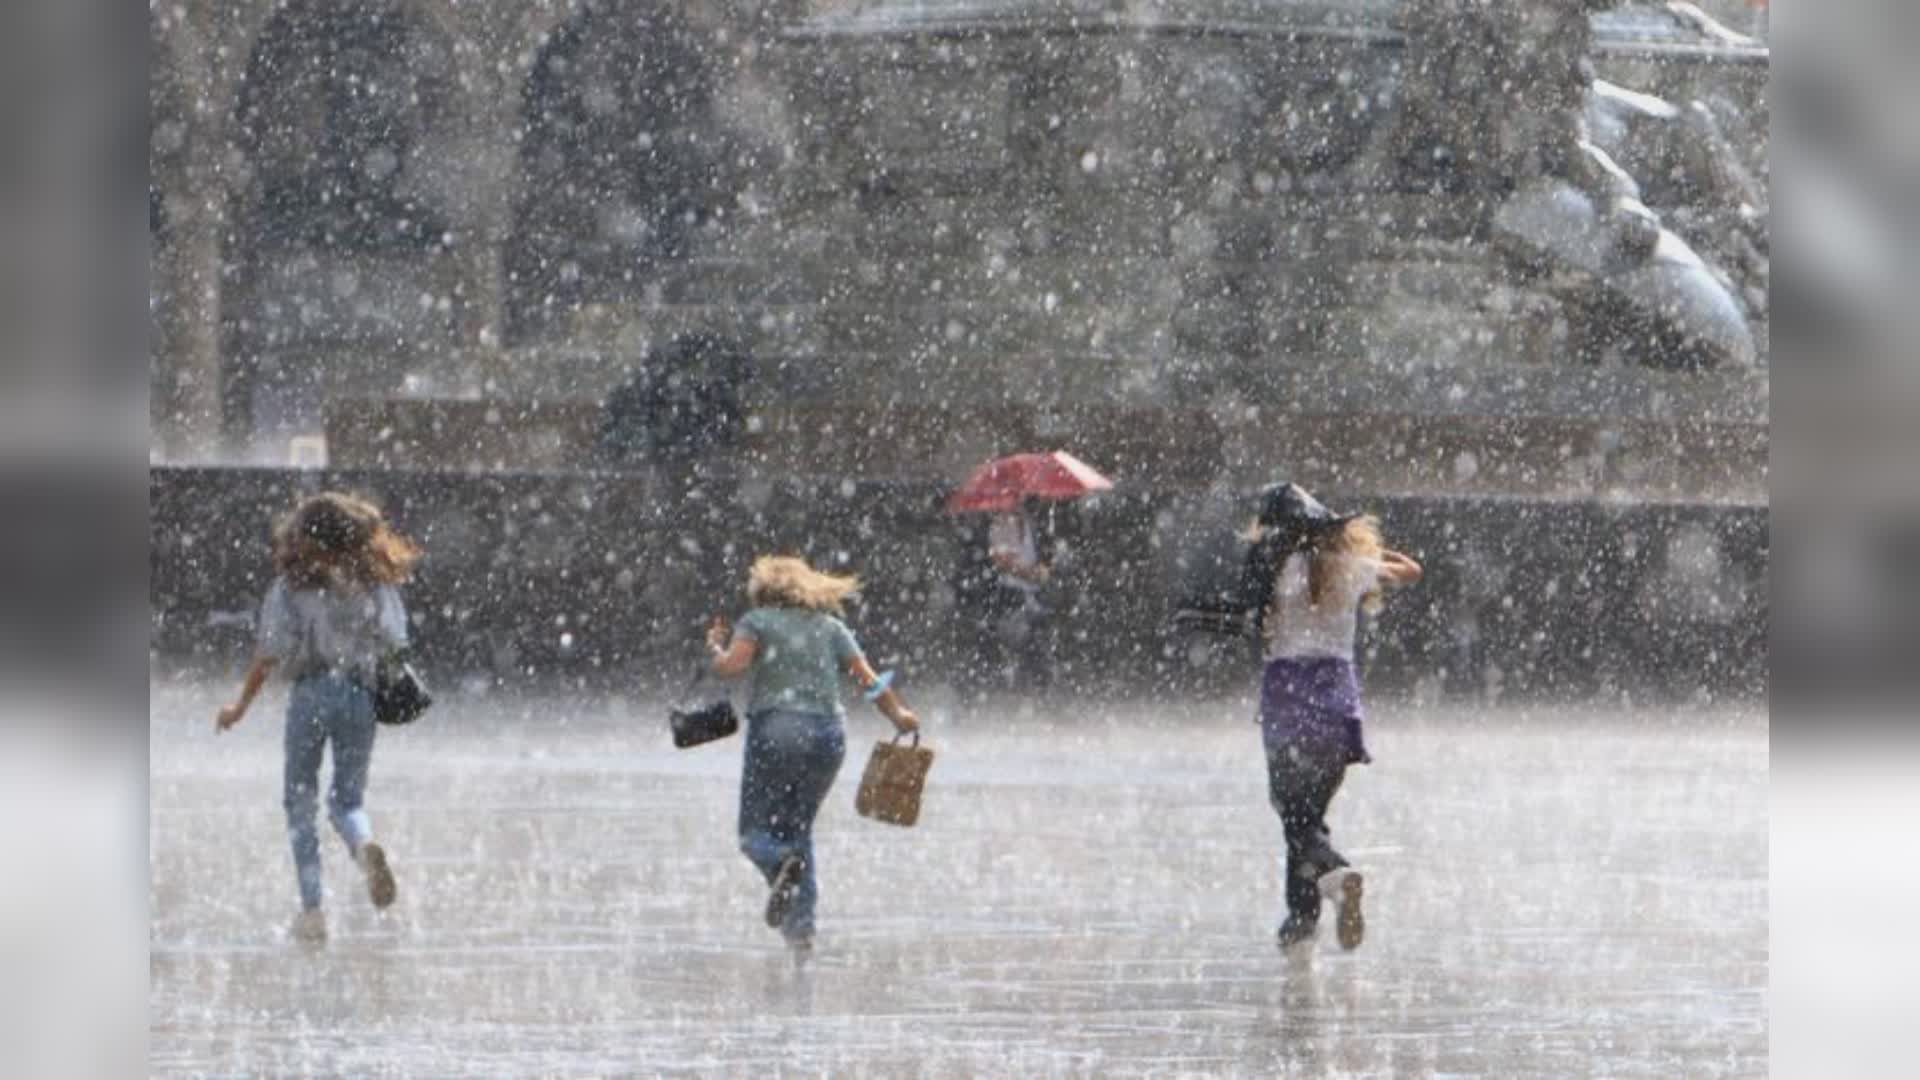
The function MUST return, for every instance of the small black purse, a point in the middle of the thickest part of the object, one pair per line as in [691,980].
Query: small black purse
[691,727]
[399,695]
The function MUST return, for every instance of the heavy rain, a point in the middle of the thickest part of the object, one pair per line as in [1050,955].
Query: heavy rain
[959,538]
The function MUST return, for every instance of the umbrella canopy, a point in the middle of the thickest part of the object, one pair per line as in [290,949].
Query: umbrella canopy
[1002,483]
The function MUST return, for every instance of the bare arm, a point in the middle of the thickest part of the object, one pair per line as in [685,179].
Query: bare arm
[730,657]
[888,702]
[230,715]
[1398,569]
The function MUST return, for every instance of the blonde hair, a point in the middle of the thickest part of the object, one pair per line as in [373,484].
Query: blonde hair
[1359,537]
[334,539]
[787,581]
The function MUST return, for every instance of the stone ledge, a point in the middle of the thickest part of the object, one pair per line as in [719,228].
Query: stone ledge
[1638,30]
[826,350]
[1150,448]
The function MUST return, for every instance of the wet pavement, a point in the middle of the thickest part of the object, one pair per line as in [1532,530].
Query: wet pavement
[1089,893]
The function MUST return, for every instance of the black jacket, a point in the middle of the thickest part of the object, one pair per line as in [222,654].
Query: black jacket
[1238,607]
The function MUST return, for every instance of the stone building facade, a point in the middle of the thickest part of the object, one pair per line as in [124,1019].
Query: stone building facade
[1192,239]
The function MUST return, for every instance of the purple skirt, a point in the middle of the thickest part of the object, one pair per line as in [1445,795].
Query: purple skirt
[1315,701]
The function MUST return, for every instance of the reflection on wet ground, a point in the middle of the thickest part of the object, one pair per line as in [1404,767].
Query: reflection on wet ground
[1552,893]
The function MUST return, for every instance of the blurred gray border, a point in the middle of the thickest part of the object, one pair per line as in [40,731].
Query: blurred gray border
[73,432]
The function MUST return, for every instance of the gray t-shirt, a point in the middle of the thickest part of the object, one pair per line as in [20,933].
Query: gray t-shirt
[310,631]
[799,659]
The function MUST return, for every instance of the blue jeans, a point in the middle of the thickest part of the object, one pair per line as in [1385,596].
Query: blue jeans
[791,760]
[323,709]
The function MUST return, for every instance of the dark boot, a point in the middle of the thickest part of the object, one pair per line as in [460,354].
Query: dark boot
[786,881]
[1296,931]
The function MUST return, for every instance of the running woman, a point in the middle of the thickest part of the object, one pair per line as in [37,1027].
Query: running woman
[331,615]
[1309,573]
[796,647]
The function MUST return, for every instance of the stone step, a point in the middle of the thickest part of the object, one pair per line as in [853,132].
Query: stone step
[1004,284]
[961,333]
[962,350]
[1278,229]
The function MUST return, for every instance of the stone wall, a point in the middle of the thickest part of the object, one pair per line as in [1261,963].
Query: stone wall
[1175,209]
[605,579]
[1224,208]
[407,115]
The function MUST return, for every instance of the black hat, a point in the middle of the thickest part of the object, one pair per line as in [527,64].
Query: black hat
[1288,506]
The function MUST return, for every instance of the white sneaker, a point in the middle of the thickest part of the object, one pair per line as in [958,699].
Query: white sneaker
[380,884]
[310,926]
[1345,887]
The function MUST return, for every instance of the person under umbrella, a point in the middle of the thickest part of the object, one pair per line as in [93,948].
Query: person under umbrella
[1019,557]
[1307,574]
[1020,572]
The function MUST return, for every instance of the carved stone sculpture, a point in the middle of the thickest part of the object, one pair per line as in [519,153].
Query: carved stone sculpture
[1497,105]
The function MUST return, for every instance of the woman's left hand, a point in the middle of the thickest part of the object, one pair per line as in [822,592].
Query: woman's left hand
[717,633]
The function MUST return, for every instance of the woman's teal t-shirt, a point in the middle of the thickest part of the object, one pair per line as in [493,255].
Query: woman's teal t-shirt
[799,659]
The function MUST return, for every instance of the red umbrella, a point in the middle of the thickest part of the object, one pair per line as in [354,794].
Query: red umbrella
[1000,484]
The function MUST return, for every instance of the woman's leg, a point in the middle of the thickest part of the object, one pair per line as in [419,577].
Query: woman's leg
[826,750]
[305,744]
[761,771]
[352,734]
[1034,670]
[1301,785]
[791,761]
[351,731]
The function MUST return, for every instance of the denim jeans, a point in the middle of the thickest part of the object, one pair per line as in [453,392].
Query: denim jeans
[1302,777]
[791,760]
[326,709]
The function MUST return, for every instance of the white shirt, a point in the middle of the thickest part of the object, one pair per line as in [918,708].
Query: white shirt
[1296,628]
[1010,535]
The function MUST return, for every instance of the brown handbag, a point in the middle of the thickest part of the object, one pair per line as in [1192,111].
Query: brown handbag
[890,788]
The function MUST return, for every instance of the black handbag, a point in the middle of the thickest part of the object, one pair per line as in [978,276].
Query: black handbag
[692,727]
[399,695]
